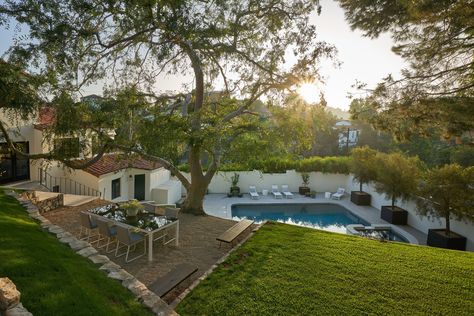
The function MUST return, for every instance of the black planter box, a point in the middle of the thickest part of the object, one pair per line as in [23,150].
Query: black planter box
[360,197]
[395,215]
[304,190]
[437,238]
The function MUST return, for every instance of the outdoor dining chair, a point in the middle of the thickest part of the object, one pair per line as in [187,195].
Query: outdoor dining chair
[107,232]
[129,239]
[88,227]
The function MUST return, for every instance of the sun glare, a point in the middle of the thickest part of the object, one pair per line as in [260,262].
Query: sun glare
[309,92]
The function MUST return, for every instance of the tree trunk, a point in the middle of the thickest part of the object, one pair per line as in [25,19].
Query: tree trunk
[360,186]
[199,183]
[393,202]
[448,224]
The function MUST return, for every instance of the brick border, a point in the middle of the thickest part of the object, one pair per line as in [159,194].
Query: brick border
[180,297]
[113,270]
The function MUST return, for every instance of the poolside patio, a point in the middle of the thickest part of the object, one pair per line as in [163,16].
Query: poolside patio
[220,205]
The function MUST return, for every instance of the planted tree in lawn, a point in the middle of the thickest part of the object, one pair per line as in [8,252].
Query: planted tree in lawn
[397,176]
[235,47]
[363,170]
[447,192]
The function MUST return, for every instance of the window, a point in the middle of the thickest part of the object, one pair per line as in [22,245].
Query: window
[115,188]
[68,147]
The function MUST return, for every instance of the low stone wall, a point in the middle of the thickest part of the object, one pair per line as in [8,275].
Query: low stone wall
[10,299]
[45,205]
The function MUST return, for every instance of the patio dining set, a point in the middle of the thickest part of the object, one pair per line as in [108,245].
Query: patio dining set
[111,228]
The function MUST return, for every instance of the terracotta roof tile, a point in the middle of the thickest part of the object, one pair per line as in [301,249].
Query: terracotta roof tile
[115,162]
[46,117]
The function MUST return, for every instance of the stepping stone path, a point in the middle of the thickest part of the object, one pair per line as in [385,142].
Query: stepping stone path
[83,248]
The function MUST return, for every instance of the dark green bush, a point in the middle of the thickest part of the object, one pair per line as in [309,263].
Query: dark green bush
[281,165]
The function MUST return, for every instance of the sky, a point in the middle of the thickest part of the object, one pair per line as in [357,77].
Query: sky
[363,59]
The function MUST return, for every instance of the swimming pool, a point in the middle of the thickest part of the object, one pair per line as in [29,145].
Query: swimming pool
[330,217]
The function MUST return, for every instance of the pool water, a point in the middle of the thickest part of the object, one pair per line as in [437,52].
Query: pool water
[330,217]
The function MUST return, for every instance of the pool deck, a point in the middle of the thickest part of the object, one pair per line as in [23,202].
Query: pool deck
[220,205]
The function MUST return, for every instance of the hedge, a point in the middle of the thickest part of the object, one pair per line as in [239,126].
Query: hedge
[339,165]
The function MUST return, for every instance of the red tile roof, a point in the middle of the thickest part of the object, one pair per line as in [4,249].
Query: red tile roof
[115,162]
[46,117]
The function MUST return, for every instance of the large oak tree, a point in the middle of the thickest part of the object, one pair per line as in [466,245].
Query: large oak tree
[247,49]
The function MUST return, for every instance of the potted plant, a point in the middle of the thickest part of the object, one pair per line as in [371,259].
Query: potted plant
[132,207]
[234,189]
[362,168]
[396,176]
[304,189]
[447,192]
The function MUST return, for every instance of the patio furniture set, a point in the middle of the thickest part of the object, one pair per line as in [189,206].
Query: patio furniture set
[109,225]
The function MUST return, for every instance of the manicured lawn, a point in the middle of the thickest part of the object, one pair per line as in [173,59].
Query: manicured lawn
[289,270]
[52,279]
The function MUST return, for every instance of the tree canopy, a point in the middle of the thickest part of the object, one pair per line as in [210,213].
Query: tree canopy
[448,191]
[235,51]
[436,39]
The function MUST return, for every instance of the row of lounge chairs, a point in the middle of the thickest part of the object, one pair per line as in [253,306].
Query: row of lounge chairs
[285,192]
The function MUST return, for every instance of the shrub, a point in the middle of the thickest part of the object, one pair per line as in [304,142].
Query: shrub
[448,191]
[363,165]
[281,165]
[396,175]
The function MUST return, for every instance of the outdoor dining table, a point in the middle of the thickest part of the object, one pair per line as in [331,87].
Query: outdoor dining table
[145,222]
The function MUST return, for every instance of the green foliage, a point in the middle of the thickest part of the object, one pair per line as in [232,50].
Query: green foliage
[290,270]
[396,175]
[305,178]
[52,279]
[463,155]
[281,165]
[447,192]
[132,205]
[435,38]
[363,165]
[235,179]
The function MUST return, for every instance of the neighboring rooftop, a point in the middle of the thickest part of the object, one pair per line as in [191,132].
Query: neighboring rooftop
[46,117]
[115,162]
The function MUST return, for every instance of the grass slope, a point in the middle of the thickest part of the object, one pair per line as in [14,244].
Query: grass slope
[289,270]
[52,279]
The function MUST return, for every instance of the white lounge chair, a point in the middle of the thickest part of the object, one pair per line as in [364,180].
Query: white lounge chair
[286,192]
[276,193]
[339,194]
[253,193]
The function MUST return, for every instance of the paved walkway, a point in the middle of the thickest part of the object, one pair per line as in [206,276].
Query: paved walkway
[221,206]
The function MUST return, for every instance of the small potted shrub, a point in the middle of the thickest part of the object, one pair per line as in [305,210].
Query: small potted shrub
[304,189]
[397,177]
[362,167]
[447,192]
[132,208]
[234,189]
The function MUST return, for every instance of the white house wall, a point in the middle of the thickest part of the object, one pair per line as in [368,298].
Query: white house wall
[322,182]
[153,179]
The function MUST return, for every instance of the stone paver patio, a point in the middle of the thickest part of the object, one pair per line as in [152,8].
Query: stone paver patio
[197,245]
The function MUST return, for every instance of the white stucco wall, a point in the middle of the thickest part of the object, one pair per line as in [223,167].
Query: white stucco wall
[322,182]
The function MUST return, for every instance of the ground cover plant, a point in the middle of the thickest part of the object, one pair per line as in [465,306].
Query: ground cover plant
[52,279]
[289,270]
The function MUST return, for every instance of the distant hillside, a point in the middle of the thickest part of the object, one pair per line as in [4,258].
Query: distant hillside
[339,113]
